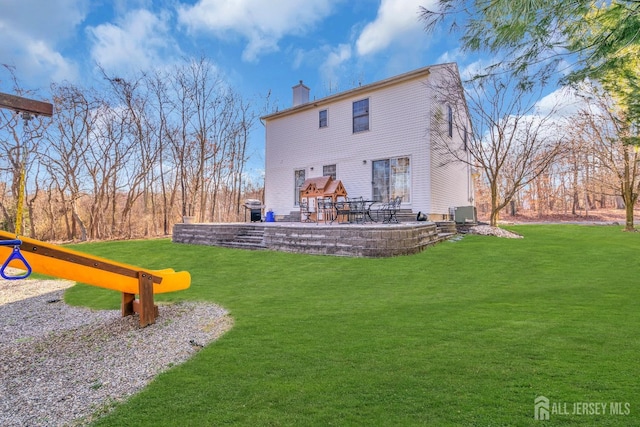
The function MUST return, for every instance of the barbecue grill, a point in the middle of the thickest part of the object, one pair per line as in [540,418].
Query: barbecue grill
[254,206]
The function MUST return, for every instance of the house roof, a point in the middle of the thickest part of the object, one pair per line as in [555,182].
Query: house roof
[420,72]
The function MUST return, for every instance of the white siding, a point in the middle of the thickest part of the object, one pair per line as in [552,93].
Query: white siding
[399,121]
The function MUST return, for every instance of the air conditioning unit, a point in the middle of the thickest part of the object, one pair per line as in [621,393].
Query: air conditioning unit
[465,214]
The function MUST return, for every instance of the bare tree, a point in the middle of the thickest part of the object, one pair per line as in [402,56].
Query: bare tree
[69,141]
[607,130]
[19,143]
[209,140]
[127,159]
[181,139]
[139,127]
[164,108]
[511,141]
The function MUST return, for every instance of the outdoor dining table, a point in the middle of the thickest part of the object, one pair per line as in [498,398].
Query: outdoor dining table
[355,210]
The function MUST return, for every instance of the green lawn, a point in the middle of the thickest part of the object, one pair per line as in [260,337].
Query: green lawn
[466,333]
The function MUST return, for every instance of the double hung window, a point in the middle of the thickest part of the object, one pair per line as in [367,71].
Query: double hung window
[361,115]
[322,119]
[329,170]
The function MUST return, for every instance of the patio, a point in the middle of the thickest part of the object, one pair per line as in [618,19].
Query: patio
[355,240]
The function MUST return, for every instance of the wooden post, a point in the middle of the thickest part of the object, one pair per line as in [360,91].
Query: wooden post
[147,309]
[127,304]
[144,306]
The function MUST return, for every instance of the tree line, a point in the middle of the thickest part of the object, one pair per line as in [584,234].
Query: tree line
[130,158]
[588,159]
[566,159]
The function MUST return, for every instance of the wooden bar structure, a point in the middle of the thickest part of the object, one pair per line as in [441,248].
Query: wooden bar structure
[25,105]
[144,306]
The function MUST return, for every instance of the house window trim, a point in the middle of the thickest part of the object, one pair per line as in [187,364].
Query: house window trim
[390,190]
[326,119]
[367,114]
[335,171]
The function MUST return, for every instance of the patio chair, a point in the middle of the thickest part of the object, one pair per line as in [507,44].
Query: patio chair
[356,210]
[305,213]
[341,211]
[326,211]
[390,210]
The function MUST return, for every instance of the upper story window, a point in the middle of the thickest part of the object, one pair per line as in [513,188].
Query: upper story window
[450,120]
[322,118]
[329,170]
[361,115]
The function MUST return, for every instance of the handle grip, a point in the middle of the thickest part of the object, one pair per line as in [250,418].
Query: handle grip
[15,255]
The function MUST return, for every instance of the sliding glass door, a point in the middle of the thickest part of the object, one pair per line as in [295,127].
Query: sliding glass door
[391,178]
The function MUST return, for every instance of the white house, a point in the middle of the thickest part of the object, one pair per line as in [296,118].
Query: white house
[378,139]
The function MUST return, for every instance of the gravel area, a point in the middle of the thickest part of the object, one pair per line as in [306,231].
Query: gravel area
[63,365]
[487,230]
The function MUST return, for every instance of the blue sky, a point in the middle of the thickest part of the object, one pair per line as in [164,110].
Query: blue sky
[259,46]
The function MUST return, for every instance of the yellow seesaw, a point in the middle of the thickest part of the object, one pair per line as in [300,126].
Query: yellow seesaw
[53,260]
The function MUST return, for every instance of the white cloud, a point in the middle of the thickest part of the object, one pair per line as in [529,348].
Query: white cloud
[261,23]
[138,41]
[396,20]
[333,67]
[476,68]
[563,101]
[31,31]
[49,21]
[44,58]
[454,55]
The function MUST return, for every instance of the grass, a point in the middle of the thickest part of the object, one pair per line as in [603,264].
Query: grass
[466,333]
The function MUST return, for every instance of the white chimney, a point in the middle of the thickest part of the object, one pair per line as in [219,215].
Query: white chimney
[300,94]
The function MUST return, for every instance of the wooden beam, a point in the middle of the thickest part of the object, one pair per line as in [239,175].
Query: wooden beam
[17,103]
[87,261]
[146,306]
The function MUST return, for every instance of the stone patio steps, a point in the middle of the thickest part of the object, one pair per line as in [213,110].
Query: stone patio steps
[246,238]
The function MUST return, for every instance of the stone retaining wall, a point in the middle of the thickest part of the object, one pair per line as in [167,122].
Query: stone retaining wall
[445,227]
[375,240]
[352,240]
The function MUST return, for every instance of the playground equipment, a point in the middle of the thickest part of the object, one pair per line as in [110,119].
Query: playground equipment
[15,256]
[28,108]
[53,260]
[25,105]
[65,263]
